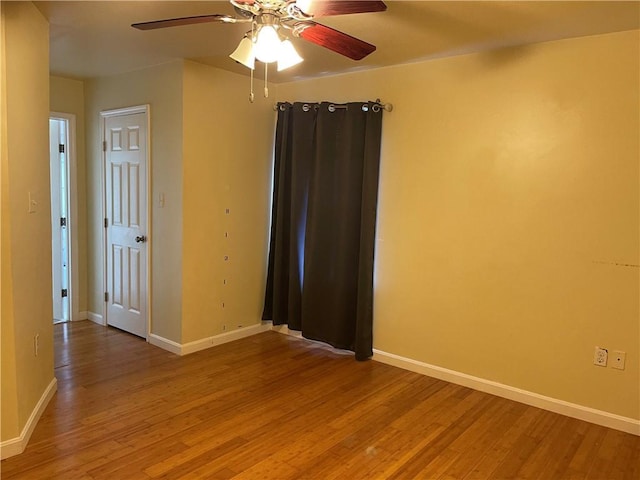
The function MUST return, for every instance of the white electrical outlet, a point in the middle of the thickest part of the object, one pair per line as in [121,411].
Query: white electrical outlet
[600,357]
[617,359]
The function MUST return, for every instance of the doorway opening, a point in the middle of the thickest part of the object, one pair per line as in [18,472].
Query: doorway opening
[62,178]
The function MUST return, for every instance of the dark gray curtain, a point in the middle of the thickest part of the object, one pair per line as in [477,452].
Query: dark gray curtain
[320,275]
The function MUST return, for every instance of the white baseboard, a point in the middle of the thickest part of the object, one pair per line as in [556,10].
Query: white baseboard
[226,337]
[95,317]
[285,330]
[16,446]
[164,343]
[573,410]
[204,343]
[81,316]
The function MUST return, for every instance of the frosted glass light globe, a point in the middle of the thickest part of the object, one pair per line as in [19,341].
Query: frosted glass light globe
[267,44]
[288,56]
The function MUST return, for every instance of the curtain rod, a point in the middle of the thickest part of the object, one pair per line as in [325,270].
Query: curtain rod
[375,106]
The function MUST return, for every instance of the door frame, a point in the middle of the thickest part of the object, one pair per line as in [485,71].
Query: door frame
[104,114]
[72,202]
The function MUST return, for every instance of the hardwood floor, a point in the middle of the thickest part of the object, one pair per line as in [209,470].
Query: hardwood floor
[275,407]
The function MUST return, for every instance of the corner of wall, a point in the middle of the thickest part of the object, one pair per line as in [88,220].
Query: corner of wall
[229,178]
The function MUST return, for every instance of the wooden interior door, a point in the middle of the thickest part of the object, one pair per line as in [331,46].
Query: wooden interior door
[125,145]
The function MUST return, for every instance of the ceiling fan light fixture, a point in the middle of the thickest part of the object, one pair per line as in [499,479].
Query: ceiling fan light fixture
[244,53]
[267,44]
[288,56]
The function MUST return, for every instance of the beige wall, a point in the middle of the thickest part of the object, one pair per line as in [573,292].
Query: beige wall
[509,214]
[67,96]
[26,237]
[9,397]
[227,165]
[161,88]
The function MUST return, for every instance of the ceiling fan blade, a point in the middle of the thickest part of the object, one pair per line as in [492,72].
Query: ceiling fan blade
[324,8]
[337,41]
[177,22]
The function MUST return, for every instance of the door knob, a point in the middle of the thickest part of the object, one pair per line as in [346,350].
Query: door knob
[140,238]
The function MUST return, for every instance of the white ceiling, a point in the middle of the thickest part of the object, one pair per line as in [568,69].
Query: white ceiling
[94,38]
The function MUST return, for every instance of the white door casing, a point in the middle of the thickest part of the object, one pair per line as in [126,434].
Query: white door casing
[58,156]
[67,137]
[125,141]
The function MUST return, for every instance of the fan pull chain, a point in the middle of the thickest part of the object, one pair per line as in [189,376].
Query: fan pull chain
[251,96]
[266,85]
[253,39]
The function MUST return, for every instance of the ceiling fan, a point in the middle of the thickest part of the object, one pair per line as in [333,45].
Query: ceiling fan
[269,20]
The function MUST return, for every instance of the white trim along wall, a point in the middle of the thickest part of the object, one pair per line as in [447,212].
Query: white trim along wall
[204,343]
[15,446]
[573,410]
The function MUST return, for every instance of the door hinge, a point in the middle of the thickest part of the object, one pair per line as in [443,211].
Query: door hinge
[65,293]
[106,222]
[104,145]
[63,222]
[61,148]
[106,296]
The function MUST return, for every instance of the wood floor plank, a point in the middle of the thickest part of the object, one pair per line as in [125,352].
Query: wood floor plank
[275,407]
